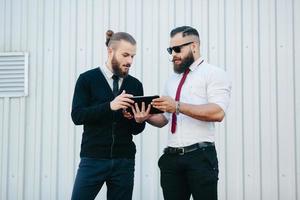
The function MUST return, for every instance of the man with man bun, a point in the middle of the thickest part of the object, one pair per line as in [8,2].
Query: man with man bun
[107,150]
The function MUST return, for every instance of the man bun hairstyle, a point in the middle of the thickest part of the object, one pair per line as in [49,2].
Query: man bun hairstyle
[109,34]
[112,37]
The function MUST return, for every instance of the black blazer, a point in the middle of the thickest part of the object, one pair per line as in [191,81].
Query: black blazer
[106,133]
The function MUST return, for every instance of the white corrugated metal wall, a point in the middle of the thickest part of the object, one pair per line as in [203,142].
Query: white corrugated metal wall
[257,42]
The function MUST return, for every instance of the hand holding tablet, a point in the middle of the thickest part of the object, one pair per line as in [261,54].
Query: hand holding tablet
[147,100]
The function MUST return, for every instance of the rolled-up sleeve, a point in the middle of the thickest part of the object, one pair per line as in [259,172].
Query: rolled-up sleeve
[219,89]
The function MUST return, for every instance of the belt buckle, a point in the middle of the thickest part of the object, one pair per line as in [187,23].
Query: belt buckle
[182,151]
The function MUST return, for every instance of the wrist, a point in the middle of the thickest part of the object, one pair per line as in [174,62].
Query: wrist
[111,105]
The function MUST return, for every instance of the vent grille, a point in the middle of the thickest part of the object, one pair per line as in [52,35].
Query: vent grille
[13,74]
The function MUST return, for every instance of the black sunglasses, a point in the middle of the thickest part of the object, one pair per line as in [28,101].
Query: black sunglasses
[177,49]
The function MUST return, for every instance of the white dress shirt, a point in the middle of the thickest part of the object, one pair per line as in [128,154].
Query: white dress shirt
[108,76]
[204,84]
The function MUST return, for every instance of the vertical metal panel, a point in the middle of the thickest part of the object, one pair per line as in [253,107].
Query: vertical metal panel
[73,19]
[2,24]
[66,87]
[296,64]
[134,26]
[268,112]
[235,126]
[47,179]
[4,144]
[250,100]
[150,65]
[257,42]
[285,91]
[31,171]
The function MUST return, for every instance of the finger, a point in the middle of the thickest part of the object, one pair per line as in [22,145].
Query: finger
[148,109]
[122,107]
[143,106]
[162,98]
[126,99]
[160,108]
[124,93]
[158,103]
[125,96]
[137,107]
[156,106]
[158,99]
[133,110]
[124,104]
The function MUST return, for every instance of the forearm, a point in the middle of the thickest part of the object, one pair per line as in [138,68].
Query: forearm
[207,112]
[92,114]
[158,120]
[84,111]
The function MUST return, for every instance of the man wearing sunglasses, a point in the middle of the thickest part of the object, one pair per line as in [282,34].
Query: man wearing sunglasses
[196,96]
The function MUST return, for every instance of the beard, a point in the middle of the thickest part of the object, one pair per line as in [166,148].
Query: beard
[116,67]
[185,63]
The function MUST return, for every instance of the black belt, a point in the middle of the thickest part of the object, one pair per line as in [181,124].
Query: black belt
[187,149]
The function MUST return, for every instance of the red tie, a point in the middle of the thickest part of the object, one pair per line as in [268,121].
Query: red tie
[174,117]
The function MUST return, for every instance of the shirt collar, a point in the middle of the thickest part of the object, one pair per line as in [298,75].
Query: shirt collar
[196,64]
[106,71]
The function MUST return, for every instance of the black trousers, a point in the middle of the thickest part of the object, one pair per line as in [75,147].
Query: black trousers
[118,174]
[194,173]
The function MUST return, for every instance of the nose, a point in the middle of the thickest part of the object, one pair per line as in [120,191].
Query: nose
[173,53]
[129,60]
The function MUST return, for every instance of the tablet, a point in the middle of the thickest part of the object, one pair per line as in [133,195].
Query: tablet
[147,100]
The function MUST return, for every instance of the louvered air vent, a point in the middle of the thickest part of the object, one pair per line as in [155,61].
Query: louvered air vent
[13,74]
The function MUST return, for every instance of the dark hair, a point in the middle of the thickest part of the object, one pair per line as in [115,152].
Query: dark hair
[185,30]
[111,36]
